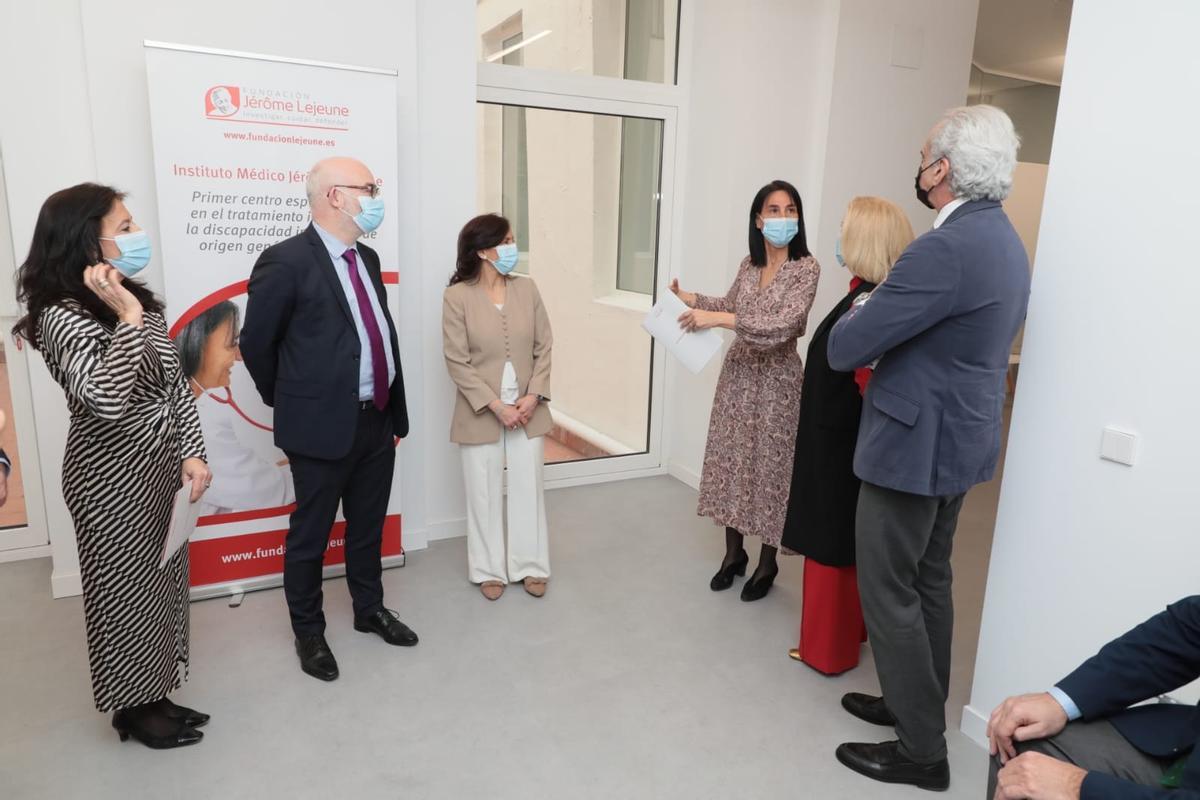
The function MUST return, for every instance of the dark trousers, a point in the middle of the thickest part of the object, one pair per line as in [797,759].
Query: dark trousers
[1096,747]
[361,481]
[903,543]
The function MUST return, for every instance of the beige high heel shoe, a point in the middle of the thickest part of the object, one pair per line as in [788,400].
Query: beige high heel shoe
[535,586]
[492,589]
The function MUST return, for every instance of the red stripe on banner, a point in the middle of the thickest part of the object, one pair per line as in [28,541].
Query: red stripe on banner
[221,295]
[244,516]
[233,290]
[281,124]
[255,555]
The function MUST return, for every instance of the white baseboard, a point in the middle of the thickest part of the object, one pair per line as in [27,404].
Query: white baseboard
[25,553]
[447,529]
[974,726]
[683,474]
[66,584]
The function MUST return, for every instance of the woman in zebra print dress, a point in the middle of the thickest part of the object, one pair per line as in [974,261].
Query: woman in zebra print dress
[134,432]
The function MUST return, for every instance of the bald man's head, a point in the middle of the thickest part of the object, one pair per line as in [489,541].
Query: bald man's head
[334,210]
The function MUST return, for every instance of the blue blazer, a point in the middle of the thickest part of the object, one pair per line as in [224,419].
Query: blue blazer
[942,325]
[1156,657]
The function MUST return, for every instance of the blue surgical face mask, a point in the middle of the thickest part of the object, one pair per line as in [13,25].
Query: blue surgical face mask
[135,252]
[506,258]
[371,215]
[780,231]
[837,252]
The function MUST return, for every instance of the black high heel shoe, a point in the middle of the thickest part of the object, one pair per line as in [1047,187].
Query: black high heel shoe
[724,577]
[188,716]
[756,588]
[178,735]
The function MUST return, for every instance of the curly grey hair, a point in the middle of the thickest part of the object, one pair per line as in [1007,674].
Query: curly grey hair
[981,146]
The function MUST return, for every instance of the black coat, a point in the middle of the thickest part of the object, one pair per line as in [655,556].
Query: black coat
[300,345]
[824,494]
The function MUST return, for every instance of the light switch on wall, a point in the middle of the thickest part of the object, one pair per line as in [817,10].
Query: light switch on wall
[1119,446]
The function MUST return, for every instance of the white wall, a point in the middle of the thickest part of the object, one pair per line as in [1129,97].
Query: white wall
[849,123]
[87,119]
[1085,549]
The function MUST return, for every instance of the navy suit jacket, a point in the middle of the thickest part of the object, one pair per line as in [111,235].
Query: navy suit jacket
[301,348]
[942,325]
[1156,657]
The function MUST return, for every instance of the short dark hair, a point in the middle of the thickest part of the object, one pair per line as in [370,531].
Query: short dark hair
[190,341]
[481,233]
[798,247]
[66,241]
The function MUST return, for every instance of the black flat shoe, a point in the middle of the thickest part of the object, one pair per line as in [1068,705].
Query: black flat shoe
[868,708]
[188,716]
[175,735]
[756,588]
[316,658]
[724,577]
[884,762]
[387,624]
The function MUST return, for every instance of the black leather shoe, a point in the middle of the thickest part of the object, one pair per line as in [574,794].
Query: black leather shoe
[316,658]
[884,762]
[757,587]
[868,708]
[387,624]
[724,577]
[188,716]
[154,734]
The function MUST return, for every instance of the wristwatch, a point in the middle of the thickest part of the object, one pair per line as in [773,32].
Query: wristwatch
[543,399]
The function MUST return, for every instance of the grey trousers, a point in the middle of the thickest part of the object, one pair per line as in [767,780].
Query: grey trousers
[1094,746]
[903,544]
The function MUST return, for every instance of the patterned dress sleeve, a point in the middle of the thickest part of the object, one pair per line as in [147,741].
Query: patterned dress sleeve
[191,439]
[97,374]
[725,304]
[770,324]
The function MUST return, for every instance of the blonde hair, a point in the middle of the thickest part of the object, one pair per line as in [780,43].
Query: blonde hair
[874,234]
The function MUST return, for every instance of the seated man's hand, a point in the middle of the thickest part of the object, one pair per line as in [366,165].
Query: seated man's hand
[1021,719]
[1033,776]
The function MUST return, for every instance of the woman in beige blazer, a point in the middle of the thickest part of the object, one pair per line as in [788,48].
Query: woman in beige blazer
[496,338]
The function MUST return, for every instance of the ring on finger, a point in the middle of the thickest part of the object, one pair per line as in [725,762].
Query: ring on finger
[102,283]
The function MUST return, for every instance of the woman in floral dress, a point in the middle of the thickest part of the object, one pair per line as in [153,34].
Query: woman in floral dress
[751,434]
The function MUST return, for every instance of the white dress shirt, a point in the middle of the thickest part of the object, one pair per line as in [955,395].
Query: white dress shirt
[947,210]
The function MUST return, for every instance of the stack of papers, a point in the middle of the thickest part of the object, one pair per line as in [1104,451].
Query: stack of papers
[694,350]
[183,522]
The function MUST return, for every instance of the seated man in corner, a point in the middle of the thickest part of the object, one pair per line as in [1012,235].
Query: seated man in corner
[1082,740]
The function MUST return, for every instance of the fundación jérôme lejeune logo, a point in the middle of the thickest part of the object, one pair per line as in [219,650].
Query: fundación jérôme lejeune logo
[222,101]
[275,107]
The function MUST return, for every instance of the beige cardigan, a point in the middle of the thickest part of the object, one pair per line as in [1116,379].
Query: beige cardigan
[478,338]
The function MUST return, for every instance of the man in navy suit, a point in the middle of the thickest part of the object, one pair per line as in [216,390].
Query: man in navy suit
[939,329]
[1081,741]
[322,349]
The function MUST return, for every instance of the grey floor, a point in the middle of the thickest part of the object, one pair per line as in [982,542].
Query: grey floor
[630,679]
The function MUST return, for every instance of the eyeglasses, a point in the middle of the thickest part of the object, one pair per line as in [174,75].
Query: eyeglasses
[923,166]
[370,188]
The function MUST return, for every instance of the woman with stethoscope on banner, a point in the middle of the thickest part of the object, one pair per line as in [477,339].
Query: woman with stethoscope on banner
[207,352]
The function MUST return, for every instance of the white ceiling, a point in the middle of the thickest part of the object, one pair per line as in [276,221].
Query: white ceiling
[1023,38]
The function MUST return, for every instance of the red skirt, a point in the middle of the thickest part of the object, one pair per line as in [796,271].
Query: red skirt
[831,624]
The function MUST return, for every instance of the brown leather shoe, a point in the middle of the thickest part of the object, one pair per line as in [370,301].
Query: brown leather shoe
[535,586]
[492,589]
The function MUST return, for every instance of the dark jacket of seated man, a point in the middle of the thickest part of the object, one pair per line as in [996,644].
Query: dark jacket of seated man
[1158,656]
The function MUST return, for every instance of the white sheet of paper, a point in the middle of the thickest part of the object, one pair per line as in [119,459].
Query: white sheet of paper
[694,350]
[183,522]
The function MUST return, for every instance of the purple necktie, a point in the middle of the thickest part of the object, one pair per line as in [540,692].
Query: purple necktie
[379,366]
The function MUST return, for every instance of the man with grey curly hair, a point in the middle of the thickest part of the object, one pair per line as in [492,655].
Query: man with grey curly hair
[939,330]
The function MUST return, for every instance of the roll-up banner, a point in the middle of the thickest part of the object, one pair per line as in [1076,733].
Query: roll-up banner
[235,135]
